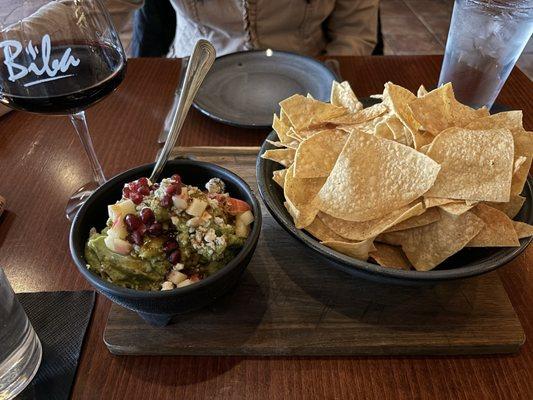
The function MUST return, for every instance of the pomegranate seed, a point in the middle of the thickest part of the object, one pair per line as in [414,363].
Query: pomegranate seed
[136,198]
[143,181]
[170,246]
[134,186]
[172,189]
[137,238]
[147,216]
[132,221]
[142,229]
[174,257]
[166,201]
[126,192]
[156,229]
[176,178]
[144,190]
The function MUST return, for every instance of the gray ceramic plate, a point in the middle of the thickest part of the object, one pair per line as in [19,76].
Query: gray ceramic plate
[244,89]
[466,263]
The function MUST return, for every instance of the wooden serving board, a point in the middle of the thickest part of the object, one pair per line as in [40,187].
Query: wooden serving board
[292,303]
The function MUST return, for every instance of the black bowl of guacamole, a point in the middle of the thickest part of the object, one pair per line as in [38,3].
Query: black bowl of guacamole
[158,307]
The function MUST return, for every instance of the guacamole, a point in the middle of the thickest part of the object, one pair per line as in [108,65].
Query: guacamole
[161,236]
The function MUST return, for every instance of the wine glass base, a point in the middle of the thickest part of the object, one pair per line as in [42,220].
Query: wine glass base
[78,198]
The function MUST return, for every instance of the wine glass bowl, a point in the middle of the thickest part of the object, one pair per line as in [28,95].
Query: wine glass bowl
[59,58]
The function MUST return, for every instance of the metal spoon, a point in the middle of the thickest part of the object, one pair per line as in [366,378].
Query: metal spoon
[203,57]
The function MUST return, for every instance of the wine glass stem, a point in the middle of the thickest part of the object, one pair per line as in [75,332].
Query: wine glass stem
[80,124]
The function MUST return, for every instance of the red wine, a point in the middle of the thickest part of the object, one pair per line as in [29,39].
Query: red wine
[99,71]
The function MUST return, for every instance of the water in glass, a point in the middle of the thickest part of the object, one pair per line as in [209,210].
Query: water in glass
[20,348]
[486,38]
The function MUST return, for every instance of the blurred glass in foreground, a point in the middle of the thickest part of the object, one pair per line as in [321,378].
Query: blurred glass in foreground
[486,38]
[20,348]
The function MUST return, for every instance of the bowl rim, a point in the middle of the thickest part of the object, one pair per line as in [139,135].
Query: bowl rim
[264,182]
[116,290]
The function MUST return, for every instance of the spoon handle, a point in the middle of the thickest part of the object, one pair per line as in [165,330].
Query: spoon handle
[200,63]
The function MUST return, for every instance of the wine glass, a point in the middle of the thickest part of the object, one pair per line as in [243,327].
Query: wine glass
[60,57]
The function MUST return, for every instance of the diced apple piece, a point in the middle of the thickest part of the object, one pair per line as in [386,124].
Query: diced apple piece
[241,230]
[167,285]
[196,208]
[122,208]
[176,277]
[179,202]
[186,282]
[117,245]
[175,220]
[110,243]
[246,217]
[122,246]
[118,230]
[205,216]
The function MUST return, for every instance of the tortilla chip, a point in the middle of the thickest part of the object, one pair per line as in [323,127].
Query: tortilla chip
[281,129]
[438,110]
[321,232]
[400,132]
[280,145]
[317,155]
[399,99]
[456,208]
[358,250]
[390,256]
[342,95]
[437,201]
[382,130]
[293,135]
[391,176]
[511,120]
[522,229]
[523,142]
[520,177]
[475,165]
[299,195]
[518,162]
[369,229]
[428,217]
[284,157]
[498,230]
[279,176]
[429,245]
[367,126]
[422,91]
[361,116]
[304,113]
[512,207]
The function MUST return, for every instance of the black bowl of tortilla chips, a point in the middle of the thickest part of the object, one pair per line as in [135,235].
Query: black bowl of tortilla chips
[479,242]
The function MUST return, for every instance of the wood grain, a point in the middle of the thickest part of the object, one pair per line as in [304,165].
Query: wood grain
[292,303]
[42,163]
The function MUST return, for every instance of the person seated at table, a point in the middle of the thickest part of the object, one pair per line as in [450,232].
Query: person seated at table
[311,27]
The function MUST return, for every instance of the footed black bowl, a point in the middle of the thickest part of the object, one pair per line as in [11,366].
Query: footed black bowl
[159,307]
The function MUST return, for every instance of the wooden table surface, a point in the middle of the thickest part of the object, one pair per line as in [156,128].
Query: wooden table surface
[42,163]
